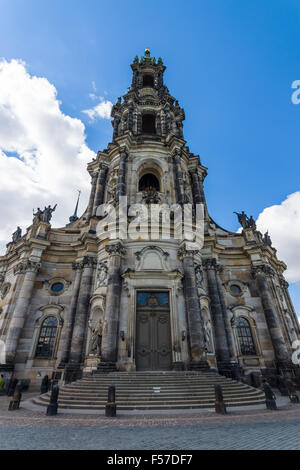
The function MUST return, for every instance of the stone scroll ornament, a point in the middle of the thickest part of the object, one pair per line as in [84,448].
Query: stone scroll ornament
[102,274]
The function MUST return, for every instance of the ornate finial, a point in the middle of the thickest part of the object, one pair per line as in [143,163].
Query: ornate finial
[147,51]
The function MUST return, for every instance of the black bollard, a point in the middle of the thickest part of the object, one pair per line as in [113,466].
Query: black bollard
[12,387]
[45,385]
[53,405]
[111,407]
[292,391]
[270,397]
[220,406]
[14,404]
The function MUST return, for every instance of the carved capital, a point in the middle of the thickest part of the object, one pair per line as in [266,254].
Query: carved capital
[283,284]
[185,252]
[89,261]
[27,266]
[211,263]
[263,269]
[115,249]
[123,153]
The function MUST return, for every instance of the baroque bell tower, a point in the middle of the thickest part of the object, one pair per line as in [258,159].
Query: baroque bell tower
[125,286]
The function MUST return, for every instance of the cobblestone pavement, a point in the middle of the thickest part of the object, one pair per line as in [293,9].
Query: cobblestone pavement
[239,429]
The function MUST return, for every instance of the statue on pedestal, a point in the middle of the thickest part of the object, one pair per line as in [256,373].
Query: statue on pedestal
[96,340]
[17,234]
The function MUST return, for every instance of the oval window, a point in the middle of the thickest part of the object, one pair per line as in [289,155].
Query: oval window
[57,287]
[235,289]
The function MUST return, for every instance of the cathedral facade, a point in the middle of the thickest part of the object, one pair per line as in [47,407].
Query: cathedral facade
[73,301]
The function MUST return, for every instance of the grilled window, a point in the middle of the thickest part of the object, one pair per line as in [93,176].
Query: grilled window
[46,342]
[245,337]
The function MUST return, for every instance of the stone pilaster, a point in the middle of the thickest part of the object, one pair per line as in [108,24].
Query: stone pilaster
[228,329]
[29,269]
[109,349]
[121,186]
[193,313]
[221,342]
[198,199]
[261,273]
[92,196]
[99,196]
[178,177]
[82,310]
[67,330]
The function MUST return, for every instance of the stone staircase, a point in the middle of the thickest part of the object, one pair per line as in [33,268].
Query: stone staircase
[153,391]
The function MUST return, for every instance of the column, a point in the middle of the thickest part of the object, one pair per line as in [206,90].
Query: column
[99,197]
[178,176]
[121,186]
[222,349]
[92,196]
[261,272]
[29,269]
[67,330]
[194,321]
[109,350]
[82,310]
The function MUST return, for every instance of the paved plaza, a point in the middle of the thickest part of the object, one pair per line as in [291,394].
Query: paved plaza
[243,428]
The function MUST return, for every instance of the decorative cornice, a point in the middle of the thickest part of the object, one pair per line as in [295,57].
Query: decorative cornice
[27,266]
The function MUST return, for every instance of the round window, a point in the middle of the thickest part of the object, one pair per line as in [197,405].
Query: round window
[235,289]
[57,287]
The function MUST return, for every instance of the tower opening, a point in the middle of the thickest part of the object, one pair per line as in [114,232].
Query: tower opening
[148,181]
[148,124]
[148,80]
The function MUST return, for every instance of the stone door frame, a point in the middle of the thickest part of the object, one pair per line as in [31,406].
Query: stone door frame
[152,282]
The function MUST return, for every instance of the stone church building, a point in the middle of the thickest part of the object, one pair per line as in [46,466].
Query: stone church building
[72,302]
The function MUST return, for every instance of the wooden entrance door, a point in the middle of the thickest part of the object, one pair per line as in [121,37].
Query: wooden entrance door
[153,331]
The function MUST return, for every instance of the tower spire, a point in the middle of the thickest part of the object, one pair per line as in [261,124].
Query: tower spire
[74,217]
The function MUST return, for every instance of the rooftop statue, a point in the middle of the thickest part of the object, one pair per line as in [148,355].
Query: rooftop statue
[245,221]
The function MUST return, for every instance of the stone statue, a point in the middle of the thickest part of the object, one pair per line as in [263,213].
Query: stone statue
[96,341]
[267,239]
[47,213]
[43,216]
[17,234]
[37,216]
[245,221]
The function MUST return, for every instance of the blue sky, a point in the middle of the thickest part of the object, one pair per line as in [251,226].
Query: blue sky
[230,63]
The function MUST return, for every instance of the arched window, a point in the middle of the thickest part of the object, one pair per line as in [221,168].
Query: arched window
[148,124]
[245,337]
[148,181]
[148,80]
[46,341]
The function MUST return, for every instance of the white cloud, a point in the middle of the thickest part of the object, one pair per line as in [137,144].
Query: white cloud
[102,109]
[283,223]
[43,153]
